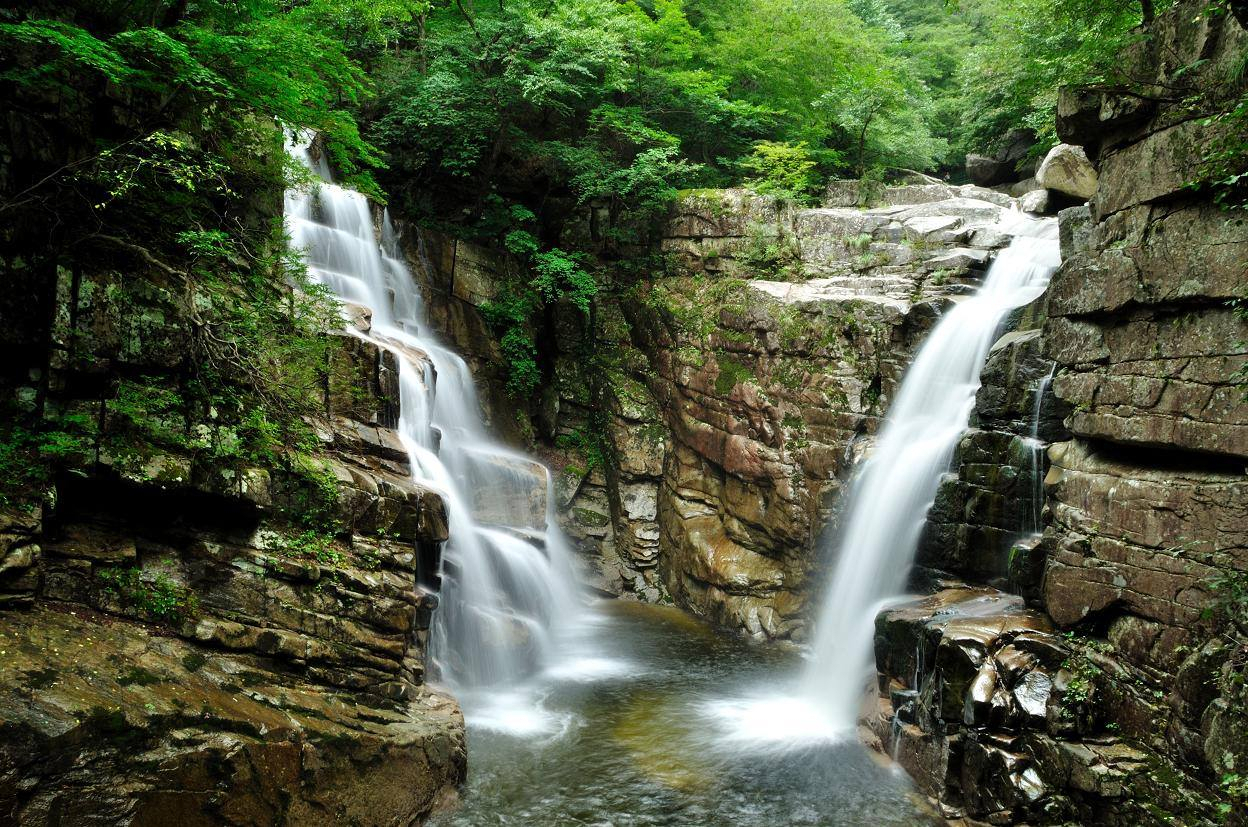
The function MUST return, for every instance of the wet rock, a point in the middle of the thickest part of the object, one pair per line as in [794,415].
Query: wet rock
[1032,693]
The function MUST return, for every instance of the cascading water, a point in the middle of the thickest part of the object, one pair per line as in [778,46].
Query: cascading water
[889,498]
[507,586]
[1036,446]
[888,501]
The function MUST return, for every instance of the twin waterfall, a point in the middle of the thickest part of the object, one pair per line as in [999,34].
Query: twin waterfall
[507,585]
[889,498]
[506,579]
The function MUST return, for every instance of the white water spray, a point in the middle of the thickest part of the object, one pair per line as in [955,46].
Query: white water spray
[507,586]
[889,498]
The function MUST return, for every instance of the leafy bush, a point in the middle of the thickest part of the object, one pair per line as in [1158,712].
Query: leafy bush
[156,596]
[786,170]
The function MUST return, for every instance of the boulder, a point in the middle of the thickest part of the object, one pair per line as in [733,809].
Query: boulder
[1066,169]
[1006,164]
[1035,202]
[985,171]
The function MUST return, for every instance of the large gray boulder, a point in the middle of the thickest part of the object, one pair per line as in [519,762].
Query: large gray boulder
[1006,164]
[986,172]
[1066,169]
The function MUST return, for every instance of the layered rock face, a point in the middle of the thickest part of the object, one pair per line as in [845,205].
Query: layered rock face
[180,649]
[1134,713]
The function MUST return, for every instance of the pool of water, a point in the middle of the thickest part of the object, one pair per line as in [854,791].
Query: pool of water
[631,738]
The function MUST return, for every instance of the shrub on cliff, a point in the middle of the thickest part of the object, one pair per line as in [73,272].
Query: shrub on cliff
[145,162]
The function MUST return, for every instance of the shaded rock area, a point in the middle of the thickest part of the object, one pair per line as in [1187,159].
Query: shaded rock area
[1010,164]
[179,646]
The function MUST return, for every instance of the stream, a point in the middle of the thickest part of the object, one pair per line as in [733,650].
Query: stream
[633,740]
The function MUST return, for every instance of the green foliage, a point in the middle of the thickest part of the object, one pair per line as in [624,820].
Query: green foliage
[170,116]
[1026,50]
[786,170]
[770,255]
[272,59]
[1224,103]
[154,595]
[30,451]
[560,275]
[556,275]
[588,445]
[317,546]
[1229,607]
[523,374]
[731,373]
[1235,788]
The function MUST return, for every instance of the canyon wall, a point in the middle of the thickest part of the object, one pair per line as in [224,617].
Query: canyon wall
[707,415]
[178,645]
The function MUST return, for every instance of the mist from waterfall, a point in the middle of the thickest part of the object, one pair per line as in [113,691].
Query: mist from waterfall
[508,592]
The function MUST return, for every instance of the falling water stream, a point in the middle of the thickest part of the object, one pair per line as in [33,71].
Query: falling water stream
[507,593]
[614,714]
[1035,446]
[889,498]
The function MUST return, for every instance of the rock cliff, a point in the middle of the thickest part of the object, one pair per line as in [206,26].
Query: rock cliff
[733,384]
[178,646]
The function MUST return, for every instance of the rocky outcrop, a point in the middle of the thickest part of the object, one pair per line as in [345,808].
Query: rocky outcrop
[774,347]
[988,511]
[1004,721]
[182,647]
[106,721]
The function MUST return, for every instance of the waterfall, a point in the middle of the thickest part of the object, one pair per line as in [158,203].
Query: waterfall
[1036,446]
[507,587]
[888,499]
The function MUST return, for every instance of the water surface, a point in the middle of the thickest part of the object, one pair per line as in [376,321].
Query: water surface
[631,740]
